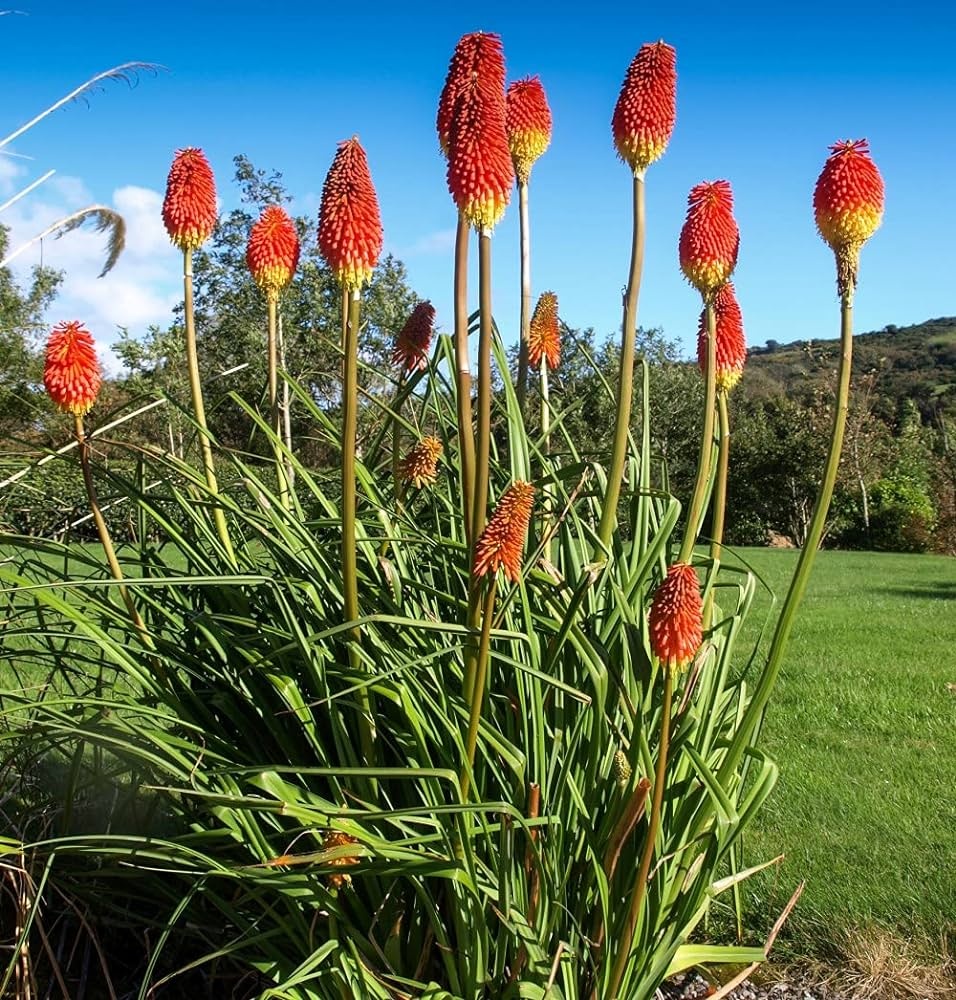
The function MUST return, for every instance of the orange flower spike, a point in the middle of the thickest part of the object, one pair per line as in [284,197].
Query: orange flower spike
[414,342]
[477,59]
[71,373]
[480,173]
[709,239]
[350,226]
[731,344]
[848,205]
[273,251]
[420,466]
[647,106]
[189,207]
[335,839]
[544,338]
[501,544]
[676,616]
[528,120]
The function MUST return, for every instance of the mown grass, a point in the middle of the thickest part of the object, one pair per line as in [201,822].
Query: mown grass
[863,726]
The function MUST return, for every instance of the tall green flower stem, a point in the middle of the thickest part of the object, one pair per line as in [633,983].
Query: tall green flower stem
[699,497]
[719,509]
[397,439]
[798,585]
[546,448]
[103,531]
[466,437]
[626,378]
[482,449]
[199,408]
[480,681]
[625,941]
[275,421]
[525,240]
[352,297]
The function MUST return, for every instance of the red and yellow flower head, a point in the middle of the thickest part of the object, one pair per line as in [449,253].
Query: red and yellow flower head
[420,466]
[848,205]
[528,120]
[709,239]
[471,114]
[676,617]
[647,106]
[501,544]
[189,207]
[544,338]
[350,227]
[273,251]
[413,343]
[731,344]
[71,372]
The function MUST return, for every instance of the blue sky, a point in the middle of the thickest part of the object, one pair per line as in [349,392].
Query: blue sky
[762,92]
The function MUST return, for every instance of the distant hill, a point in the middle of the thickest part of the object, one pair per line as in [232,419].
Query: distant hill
[913,362]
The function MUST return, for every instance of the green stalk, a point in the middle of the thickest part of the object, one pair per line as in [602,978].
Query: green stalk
[483,446]
[349,567]
[626,940]
[626,377]
[466,436]
[397,442]
[199,408]
[720,496]
[478,694]
[699,498]
[801,577]
[546,447]
[103,531]
[525,240]
[274,416]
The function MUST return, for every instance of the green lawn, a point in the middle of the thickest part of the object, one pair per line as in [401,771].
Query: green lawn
[863,726]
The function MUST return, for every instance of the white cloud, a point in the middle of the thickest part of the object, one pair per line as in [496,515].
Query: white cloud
[141,289]
[438,242]
[10,172]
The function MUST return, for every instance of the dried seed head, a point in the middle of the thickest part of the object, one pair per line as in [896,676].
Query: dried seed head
[414,341]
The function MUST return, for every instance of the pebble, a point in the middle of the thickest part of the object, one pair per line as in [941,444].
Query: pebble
[693,986]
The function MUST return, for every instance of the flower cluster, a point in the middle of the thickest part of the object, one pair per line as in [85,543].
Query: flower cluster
[730,342]
[709,239]
[501,544]
[71,372]
[647,106]
[528,120]
[676,616]
[544,339]
[420,466]
[350,227]
[189,207]
[273,251]
[413,343]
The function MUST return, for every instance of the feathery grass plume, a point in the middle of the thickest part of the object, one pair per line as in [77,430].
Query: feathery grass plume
[480,173]
[332,840]
[709,239]
[189,207]
[476,61]
[71,371]
[731,344]
[413,343]
[272,253]
[501,544]
[848,205]
[350,226]
[420,466]
[544,339]
[528,121]
[675,617]
[647,106]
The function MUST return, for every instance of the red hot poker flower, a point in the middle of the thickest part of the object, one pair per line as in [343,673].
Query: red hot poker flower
[420,466]
[647,106]
[273,251]
[71,373]
[543,336]
[189,207]
[848,205]
[413,343]
[501,544]
[731,344]
[676,616]
[709,239]
[528,120]
[350,227]
[477,59]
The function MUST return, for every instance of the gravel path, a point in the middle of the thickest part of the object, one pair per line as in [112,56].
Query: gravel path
[692,986]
